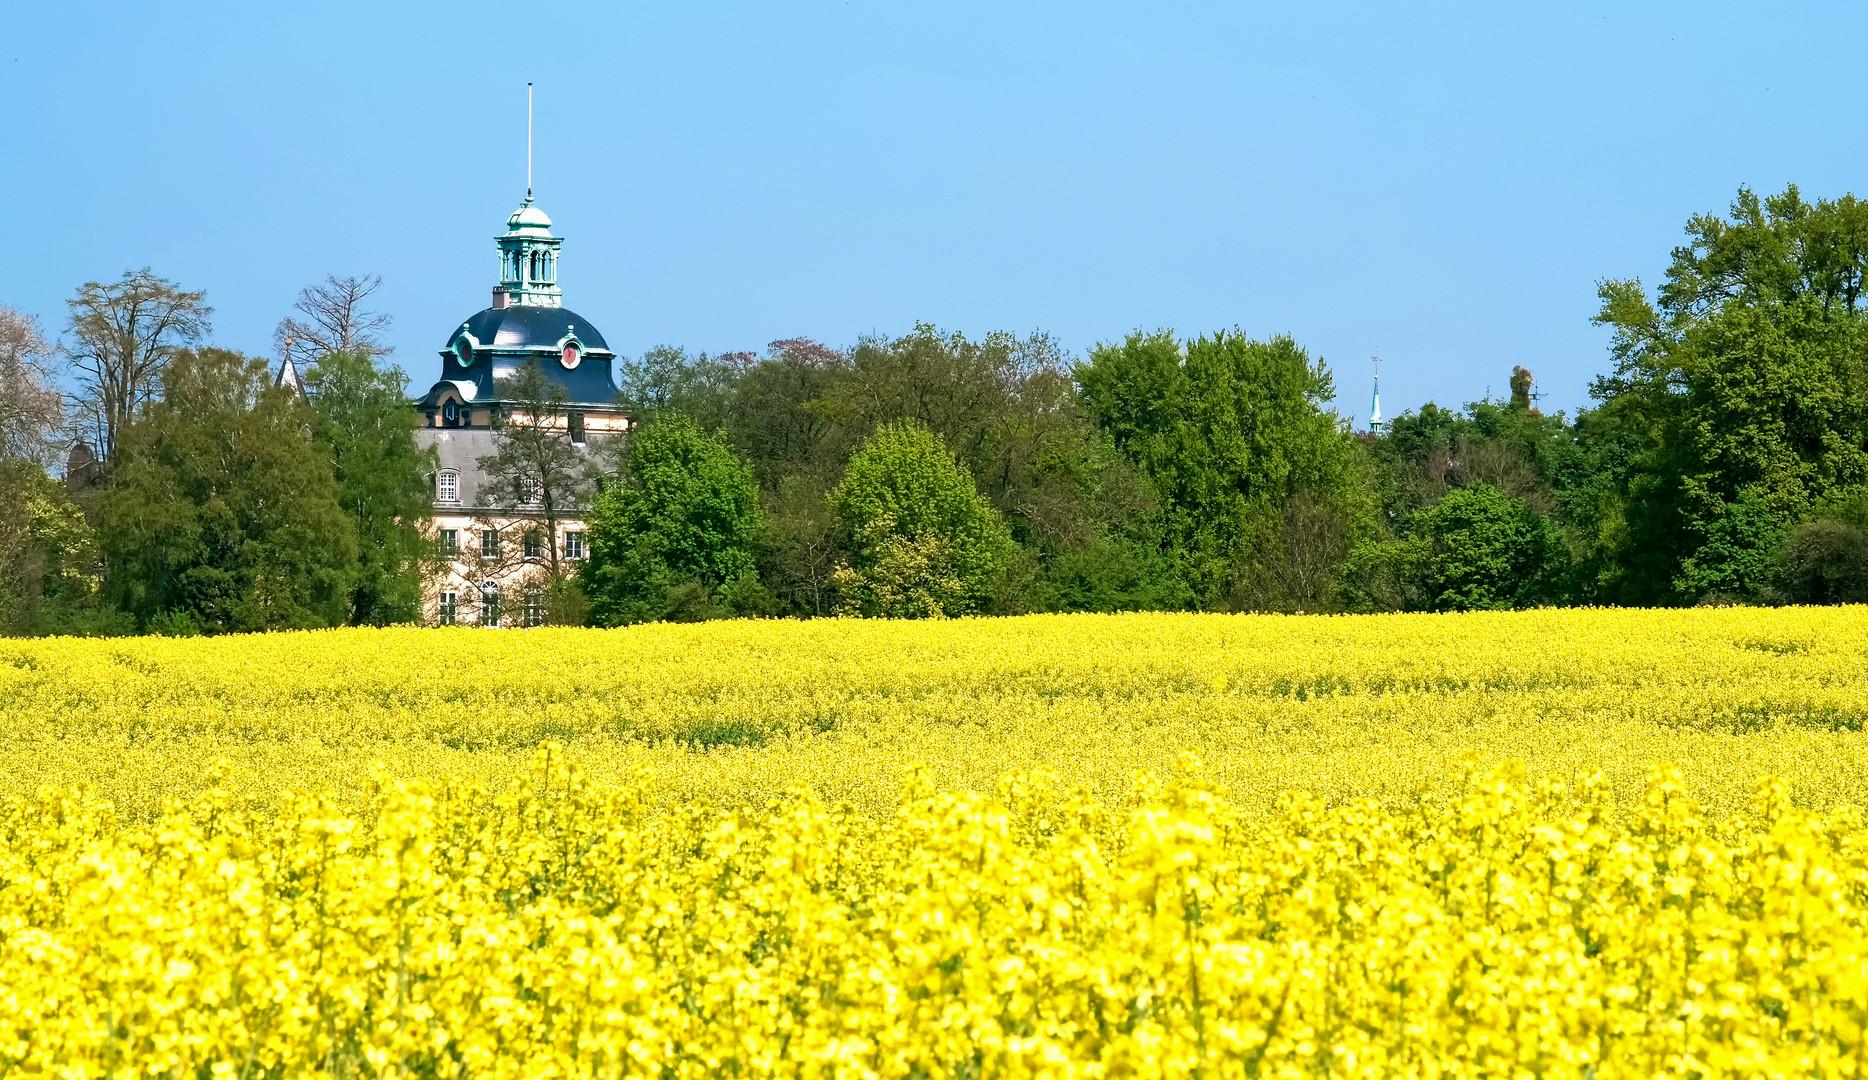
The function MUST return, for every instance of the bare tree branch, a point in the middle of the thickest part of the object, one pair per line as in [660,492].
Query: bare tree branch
[334,321]
[32,412]
[126,332]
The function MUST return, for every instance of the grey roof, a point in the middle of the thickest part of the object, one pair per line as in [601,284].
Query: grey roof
[510,335]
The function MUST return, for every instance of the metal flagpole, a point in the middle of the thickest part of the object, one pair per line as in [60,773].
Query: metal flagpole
[528,140]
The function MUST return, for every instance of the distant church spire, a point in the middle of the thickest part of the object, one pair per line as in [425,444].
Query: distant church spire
[1376,426]
[528,253]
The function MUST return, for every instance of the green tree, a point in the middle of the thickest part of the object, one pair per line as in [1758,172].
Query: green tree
[667,379]
[677,537]
[50,568]
[1262,488]
[1738,399]
[778,415]
[366,429]
[1002,404]
[1480,549]
[1824,561]
[221,514]
[924,541]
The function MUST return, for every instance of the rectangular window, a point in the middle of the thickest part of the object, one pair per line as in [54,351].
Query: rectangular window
[489,604]
[450,542]
[577,428]
[450,608]
[573,545]
[534,606]
[447,486]
[534,544]
[489,543]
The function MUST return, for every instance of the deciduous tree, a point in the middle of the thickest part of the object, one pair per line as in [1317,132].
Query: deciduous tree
[366,430]
[536,466]
[923,540]
[32,411]
[222,515]
[334,321]
[678,533]
[124,334]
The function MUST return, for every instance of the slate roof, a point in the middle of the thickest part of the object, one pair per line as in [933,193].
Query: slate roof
[509,335]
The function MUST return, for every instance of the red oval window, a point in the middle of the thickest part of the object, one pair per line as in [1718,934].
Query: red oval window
[571,356]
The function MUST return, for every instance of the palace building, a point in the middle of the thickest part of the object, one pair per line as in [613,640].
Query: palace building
[497,550]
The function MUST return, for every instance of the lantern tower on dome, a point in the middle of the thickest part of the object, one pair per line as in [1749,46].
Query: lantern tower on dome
[528,260]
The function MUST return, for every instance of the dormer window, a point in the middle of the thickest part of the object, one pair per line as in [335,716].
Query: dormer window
[447,485]
[451,413]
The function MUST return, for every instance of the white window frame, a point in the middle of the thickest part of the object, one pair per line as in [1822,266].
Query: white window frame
[450,542]
[534,544]
[490,589]
[448,611]
[574,544]
[448,487]
[489,543]
[533,606]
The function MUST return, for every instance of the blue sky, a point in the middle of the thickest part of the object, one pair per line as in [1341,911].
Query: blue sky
[1441,184]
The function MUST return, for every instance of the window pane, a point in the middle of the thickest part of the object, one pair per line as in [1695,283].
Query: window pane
[489,542]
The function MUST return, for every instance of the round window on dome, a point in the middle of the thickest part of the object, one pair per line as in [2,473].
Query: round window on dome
[572,354]
[463,352]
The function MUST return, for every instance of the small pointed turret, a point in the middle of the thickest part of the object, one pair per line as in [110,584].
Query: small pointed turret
[1376,426]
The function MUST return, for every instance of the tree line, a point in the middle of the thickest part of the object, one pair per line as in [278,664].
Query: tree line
[1724,459]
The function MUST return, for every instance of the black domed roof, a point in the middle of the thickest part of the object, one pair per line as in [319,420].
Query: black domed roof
[503,338]
[529,326]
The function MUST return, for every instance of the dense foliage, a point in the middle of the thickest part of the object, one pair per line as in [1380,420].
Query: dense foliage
[367,430]
[222,514]
[676,537]
[1724,459]
[925,542]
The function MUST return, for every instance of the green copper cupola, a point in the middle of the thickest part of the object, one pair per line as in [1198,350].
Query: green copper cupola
[528,260]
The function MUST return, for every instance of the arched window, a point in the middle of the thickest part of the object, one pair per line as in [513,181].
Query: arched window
[447,486]
[489,603]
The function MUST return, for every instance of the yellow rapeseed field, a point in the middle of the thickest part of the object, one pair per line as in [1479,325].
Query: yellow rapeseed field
[1585,843]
